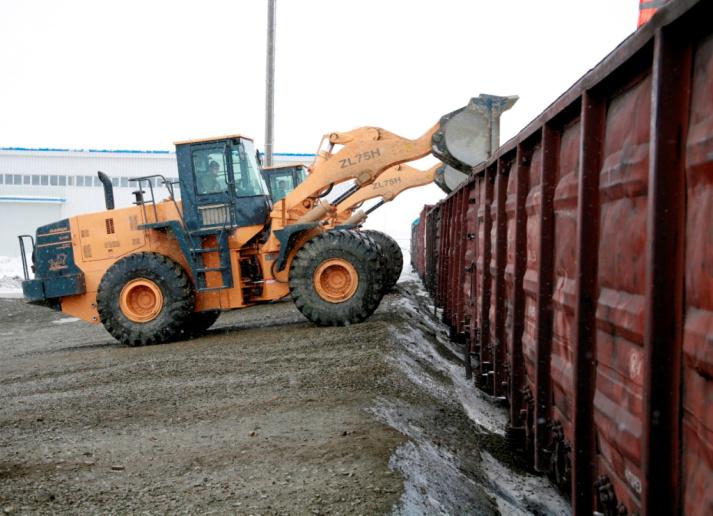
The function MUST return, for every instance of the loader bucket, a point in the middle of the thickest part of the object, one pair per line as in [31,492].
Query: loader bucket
[448,178]
[468,136]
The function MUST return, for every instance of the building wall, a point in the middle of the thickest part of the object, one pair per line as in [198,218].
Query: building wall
[21,218]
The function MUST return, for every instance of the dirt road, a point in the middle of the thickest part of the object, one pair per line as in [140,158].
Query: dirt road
[267,414]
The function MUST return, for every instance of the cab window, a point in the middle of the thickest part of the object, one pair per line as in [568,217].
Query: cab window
[248,180]
[281,185]
[301,175]
[210,171]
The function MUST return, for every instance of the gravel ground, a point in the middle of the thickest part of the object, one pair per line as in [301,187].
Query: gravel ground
[266,414]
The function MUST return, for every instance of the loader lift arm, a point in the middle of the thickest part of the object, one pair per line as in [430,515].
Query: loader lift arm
[460,139]
[388,185]
[364,155]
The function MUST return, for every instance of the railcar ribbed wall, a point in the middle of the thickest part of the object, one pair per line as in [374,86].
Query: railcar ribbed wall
[577,266]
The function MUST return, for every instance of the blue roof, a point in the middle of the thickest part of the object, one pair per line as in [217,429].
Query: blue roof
[20,198]
[291,154]
[130,151]
[50,149]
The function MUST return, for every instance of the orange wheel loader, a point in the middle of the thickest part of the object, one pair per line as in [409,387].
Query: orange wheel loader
[159,271]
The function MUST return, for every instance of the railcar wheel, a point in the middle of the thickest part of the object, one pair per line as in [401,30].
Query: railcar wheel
[393,254]
[337,278]
[145,298]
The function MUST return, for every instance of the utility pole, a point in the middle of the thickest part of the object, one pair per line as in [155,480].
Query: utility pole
[270,82]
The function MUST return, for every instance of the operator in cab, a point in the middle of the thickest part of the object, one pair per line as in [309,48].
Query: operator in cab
[213,180]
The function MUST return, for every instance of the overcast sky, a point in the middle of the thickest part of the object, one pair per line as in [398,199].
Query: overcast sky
[142,74]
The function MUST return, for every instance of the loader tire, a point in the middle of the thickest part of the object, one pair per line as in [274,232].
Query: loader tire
[199,322]
[337,278]
[145,298]
[392,253]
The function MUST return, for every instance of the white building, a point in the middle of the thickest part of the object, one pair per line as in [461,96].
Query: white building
[39,186]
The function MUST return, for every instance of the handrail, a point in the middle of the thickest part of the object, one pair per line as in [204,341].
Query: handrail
[169,186]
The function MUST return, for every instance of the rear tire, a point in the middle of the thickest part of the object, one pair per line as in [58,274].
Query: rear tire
[337,278]
[145,298]
[393,254]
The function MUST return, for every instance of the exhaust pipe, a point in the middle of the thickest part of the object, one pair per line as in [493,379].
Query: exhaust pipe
[108,190]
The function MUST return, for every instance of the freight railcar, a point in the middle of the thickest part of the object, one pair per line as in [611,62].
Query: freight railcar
[577,265]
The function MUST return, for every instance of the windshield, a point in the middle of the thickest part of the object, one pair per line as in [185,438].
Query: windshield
[281,184]
[301,175]
[248,180]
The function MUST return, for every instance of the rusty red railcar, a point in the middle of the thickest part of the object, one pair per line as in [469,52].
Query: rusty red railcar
[418,237]
[578,265]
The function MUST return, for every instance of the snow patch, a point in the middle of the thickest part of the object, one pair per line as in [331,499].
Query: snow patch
[10,276]
[433,480]
[490,417]
[66,320]
[424,466]
[513,491]
[407,273]
[476,404]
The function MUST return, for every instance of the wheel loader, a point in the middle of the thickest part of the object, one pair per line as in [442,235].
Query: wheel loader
[161,270]
[392,182]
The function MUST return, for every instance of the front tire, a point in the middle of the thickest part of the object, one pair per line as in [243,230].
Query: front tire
[337,278]
[145,298]
[393,254]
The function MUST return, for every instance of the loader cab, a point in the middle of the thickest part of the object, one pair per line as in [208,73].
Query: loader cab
[281,180]
[221,184]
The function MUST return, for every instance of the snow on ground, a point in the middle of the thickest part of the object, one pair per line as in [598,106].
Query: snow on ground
[515,490]
[66,320]
[517,493]
[476,404]
[435,482]
[10,276]
[407,272]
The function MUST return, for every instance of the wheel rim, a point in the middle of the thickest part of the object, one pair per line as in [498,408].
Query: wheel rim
[141,300]
[336,280]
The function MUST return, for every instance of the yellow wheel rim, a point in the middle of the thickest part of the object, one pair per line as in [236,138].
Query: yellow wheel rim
[336,280]
[141,300]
